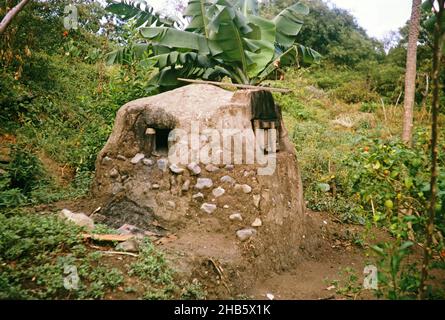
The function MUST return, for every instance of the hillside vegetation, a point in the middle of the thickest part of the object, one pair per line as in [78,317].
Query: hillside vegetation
[59,98]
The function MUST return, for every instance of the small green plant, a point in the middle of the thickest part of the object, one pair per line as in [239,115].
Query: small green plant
[395,280]
[349,287]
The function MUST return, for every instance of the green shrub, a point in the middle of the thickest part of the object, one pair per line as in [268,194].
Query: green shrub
[25,170]
[369,107]
[355,92]
[391,182]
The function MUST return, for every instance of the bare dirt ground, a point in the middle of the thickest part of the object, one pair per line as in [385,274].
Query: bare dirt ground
[334,270]
[335,261]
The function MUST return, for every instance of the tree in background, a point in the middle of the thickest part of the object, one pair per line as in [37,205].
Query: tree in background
[438,7]
[410,77]
[333,32]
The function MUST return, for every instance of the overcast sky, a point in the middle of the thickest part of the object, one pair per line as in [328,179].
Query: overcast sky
[378,17]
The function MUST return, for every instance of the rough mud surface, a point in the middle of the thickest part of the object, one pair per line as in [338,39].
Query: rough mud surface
[144,189]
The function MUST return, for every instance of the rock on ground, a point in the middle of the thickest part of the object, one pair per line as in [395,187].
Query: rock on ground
[245,234]
[128,246]
[218,192]
[208,208]
[138,157]
[162,164]
[194,168]
[243,187]
[80,219]
[175,169]
[228,179]
[236,217]
[257,223]
[203,183]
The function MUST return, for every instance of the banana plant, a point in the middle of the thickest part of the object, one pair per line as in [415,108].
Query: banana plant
[225,38]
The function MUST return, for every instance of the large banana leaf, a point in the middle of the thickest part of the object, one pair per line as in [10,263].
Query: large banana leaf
[197,10]
[288,23]
[227,38]
[138,10]
[246,42]
[262,36]
[176,58]
[173,38]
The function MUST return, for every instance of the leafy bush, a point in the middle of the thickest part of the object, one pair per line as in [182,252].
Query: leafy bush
[25,170]
[369,107]
[355,92]
[391,182]
[23,174]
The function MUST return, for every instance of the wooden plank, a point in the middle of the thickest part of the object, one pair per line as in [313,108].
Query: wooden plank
[118,237]
[108,237]
[241,86]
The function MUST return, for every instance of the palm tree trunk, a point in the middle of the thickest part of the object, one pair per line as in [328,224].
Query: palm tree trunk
[410,76]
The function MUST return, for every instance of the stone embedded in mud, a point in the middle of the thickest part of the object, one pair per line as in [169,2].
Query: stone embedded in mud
[194,168]
[80,219]
[175,169]
[211,168]
[208,208]
[227,179]
[243,187]
[162,164]
[203,183]
[106,160]
[114,173]
[117,187]
[128,246]
[236,217]
[121,157]
[137,158]
[198,196]
[148,162]
[155,186]
[256,200]
[248,173]
[245,234]
[218,192]
[171,204]
[186,186]
[229,167]
[257,223]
